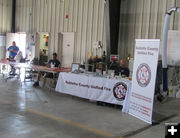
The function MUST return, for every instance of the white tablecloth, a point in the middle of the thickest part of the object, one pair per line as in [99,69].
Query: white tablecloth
[94,88]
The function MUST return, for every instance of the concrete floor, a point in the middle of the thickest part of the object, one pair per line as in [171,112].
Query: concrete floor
[27,112]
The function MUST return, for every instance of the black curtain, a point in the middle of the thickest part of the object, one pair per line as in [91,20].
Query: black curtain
[13,27]
[114,7]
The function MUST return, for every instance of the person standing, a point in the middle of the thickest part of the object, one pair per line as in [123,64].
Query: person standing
[13,50]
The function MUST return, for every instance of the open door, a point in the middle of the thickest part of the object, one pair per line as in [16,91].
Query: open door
[37,45]
[42,47]
[20,39]
[66,43]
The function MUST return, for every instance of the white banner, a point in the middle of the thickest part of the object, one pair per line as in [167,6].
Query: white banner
[143,80]
[94,88]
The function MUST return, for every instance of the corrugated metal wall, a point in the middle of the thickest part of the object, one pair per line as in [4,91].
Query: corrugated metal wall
[5,21]
[5,16]
[86,19]
[2,52]
[144,19]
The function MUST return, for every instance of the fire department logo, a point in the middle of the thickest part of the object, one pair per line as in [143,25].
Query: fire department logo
[143,75]
[119,91]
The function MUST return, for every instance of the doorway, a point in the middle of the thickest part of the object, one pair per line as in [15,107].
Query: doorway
[21,42]
[42,47]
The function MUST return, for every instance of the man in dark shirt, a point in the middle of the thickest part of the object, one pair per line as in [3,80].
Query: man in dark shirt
[52,63]
[122,69]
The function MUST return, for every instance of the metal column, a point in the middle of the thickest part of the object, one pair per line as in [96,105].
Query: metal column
[107,24]
[13,27]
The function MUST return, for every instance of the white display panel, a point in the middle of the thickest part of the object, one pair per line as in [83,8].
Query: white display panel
[66,48]
[143,80]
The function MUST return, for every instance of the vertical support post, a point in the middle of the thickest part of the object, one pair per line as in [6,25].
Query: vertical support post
[164,52]
[13,25]
[107,25]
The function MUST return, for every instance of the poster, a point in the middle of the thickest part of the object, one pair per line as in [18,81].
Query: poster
[143,80]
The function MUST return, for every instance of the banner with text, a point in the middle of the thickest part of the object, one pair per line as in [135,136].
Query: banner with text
[143,80]
[94,88]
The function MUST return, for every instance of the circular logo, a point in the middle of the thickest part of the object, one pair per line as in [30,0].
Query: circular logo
[120,90]
[143,75]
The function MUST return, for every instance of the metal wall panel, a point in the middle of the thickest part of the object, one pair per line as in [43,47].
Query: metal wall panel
[85,18]
[5,21]
[2,52]
[5,16]
[148,22]
[125,23]
[153,19]
[139,19]
[177,18]
[89,26]
[146,19]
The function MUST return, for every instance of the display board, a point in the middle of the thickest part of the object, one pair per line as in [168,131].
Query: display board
[173,48]
[143,80]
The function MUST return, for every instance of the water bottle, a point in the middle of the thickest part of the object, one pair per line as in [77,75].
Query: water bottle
[51,65]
